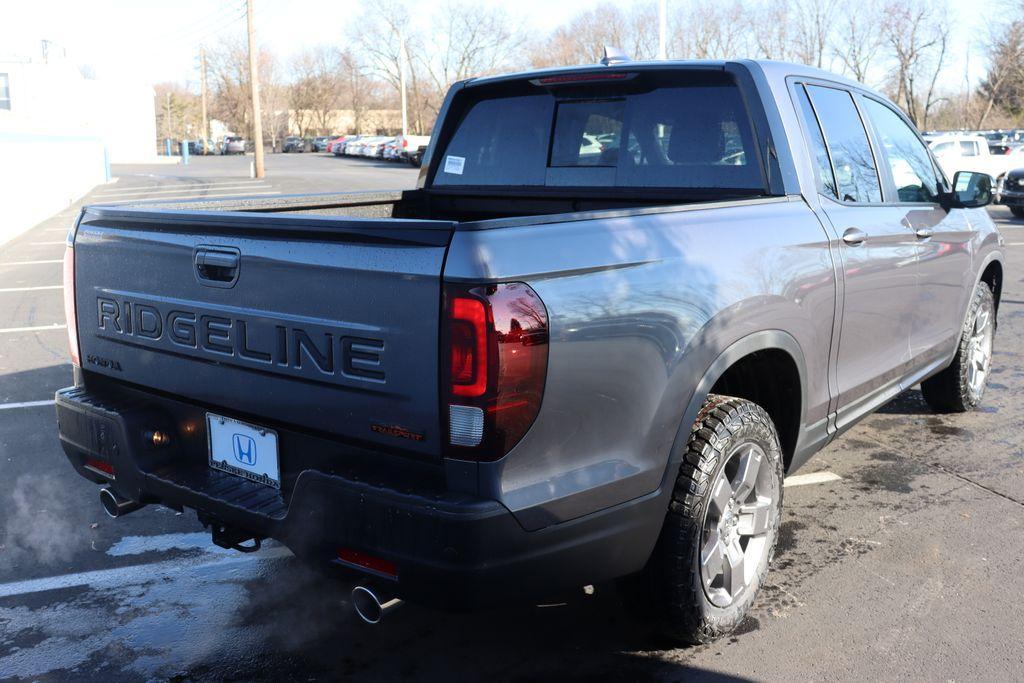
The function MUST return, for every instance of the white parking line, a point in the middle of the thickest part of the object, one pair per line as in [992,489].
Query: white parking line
[184,189]
[1015,244]
[30,263]
[29,289]
[810,478]
[135,574]
[32,244]
[38,328]
[198,197]
[26,404]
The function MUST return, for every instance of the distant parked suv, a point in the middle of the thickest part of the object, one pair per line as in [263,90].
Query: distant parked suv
[293,143]
[233,144]
[1011,192]
[622,303]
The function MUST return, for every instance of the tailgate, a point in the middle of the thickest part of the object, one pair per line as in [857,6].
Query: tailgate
[328,324]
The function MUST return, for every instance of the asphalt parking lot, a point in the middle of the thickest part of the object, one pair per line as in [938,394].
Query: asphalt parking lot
[903,559]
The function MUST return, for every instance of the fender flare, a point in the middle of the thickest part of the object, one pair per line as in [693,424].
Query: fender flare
[756,341]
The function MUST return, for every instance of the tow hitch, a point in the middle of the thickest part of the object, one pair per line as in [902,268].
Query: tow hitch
[229,537]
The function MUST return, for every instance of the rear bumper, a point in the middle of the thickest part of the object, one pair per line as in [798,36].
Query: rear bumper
[449,549]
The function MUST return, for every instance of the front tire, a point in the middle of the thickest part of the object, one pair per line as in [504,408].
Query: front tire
[1017,211]
[722,524]
[961,386]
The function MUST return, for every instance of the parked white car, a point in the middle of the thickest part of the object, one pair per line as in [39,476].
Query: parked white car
[962,152]
[409,145]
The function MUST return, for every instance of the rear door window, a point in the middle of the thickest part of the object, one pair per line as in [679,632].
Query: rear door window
[854,164]
[691,136]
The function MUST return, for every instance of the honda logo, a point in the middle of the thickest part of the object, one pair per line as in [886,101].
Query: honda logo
[245,449]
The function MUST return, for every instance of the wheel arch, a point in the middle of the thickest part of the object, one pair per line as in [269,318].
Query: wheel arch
[764,346]
[992,275]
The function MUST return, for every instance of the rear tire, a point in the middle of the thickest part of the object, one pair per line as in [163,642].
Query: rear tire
[722,524]
[1017,211]
[961,386]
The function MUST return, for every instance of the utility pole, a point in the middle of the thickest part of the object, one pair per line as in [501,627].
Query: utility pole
[254,80]
[202,86]
[662,29]
[167,116]
[403,59]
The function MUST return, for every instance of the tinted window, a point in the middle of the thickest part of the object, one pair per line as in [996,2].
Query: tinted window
[912,169]
[856,177]
[943,148]
[500,141]
[587,133]
[687,137]
[816,142]
[5,92]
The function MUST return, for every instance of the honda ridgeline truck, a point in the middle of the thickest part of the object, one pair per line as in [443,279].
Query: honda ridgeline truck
[621,304]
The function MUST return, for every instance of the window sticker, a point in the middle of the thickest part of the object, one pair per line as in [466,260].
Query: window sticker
[454,165]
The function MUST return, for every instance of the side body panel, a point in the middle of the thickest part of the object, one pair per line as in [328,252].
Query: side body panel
[640,308]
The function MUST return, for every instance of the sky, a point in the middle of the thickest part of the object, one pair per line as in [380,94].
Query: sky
[158,40]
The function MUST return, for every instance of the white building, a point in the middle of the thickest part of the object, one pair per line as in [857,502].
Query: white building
[59,132]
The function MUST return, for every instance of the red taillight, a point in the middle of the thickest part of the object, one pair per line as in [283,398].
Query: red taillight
[405,142]
[497,354]
[375,564]
[69,304]
[468,341]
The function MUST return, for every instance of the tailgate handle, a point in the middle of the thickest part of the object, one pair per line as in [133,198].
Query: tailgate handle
[217,266]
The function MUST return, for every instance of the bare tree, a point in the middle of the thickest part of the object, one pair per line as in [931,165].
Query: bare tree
[380,37]
[583,40]
[917,34]
[231,102]
[711,31]
[315,90]
[470,40]
[177,112]
[857,39]
[1004,84]
[813,21]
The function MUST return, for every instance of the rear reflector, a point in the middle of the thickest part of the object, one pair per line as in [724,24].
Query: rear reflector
[496,341]
[364,561]
[100,466]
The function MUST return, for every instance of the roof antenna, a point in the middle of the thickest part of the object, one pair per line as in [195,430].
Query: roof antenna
[614,55]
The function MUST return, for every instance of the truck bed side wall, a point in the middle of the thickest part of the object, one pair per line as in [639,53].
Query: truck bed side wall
[640,307]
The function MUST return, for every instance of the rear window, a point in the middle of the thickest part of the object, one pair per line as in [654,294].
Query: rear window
[678,136]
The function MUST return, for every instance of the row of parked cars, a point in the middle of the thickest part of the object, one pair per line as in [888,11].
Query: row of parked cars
[404,148]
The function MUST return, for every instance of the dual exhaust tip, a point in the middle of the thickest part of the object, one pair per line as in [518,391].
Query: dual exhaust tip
[369,604]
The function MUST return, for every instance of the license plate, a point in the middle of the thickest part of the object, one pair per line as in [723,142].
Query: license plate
[244,450]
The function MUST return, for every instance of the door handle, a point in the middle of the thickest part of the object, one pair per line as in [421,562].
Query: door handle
[854,236]
[217,266]
[924,233]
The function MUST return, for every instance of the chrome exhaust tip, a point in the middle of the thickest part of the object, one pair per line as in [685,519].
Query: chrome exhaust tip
[116,505]
[370,606]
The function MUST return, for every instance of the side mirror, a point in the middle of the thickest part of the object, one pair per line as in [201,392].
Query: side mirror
[971,190]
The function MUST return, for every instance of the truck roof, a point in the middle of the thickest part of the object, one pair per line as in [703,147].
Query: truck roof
[771,68]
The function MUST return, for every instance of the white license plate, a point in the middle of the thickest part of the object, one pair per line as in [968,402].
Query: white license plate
[244,450]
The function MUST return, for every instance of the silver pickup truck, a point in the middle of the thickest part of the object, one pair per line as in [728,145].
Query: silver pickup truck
[622,303]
